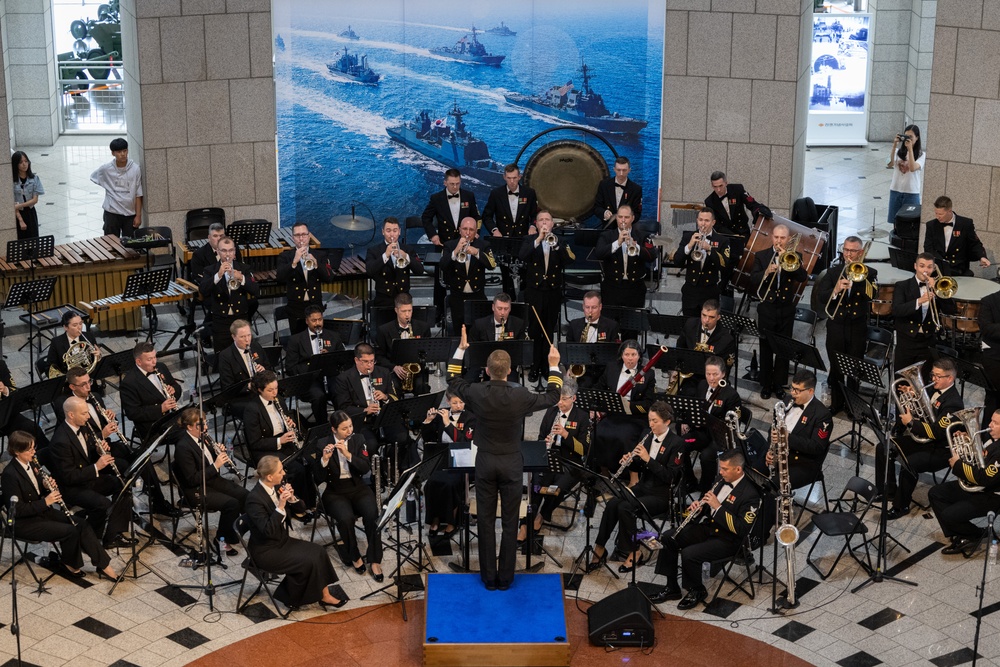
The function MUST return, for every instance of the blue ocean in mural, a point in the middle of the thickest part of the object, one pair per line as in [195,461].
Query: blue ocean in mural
[348,121]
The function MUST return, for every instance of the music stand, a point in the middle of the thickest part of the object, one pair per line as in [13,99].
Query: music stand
[519,350]
[144,285]
[688,410]
[332,256]
[594,485]
[116,364]
[588,354]
[508,247]
[331,364]
[247,233]
[860,370]
[738,325]
[630,319]
[296,385]
[602,400]
[35,396]
[795,351]
[668,325]
[423,350]
[30,294]
[970,371]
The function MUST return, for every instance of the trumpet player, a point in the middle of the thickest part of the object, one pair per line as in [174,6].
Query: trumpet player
[624,253]
[197,466]
[148,390]
[720,398]
[931,454]
[776,310]
[971,495]
[38,516]
[302,271]
[510,212]
[809,424]
[917,311]
[390,263]
[704,256]
[230,286]
[464,261]
[202,260]
[850,302]
[403,327]
[299,352]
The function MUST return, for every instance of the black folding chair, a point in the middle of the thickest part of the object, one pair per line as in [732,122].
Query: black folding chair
[264,578]
[846,521]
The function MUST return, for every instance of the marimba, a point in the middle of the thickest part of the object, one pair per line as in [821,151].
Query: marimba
[279,241]
[179,290]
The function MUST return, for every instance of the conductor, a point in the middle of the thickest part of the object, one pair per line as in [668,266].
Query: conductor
[500,408]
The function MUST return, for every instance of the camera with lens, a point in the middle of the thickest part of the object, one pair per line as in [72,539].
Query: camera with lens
[902,137]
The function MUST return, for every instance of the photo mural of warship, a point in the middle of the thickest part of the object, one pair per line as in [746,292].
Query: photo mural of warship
[355,67]
[470,51]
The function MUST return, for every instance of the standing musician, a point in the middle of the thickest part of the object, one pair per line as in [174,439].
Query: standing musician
[390,263]
[809,423]
[730,202]
[270,430]
[441,220]
[445,490]
[500,408]
[341,460]
[545,261]
[309,573]
[704,334]
[732,503]
[989,330]
[301,348]
[148,390]
[776,311]
[654,466]
[613,193]
[847,331]
[204,257]
[232,290]
[464,262]
[194,454]
[363,390]
[971,495]
[87,474]
[705,257]
[17,422]
[953,241]
[39,516]
[913,306]
[624,270]
[403,327]
[239,363]
[922,456]
[720,399]
[510,212]
[617,433]
[592,328]
[72,334]
[303,272]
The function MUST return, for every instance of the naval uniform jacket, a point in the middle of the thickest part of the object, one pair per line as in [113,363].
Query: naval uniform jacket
[455,272]
[437,220]
[496,213]
[856,304]
[303,288]
[736,222]
[607,195]
[389,280]
[964,246]
[228,304]
[702,281]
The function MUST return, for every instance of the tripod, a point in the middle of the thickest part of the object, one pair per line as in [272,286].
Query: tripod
[590,481]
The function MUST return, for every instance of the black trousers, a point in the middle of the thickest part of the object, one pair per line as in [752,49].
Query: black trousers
[622,515]
[779,318]
[547,303]
[96,500]
[955,508]
[74,540]
[119,225]
[698,440]
[223,496]
[847,337]
[498,475]
[30,219]
[698,543]
[344,503]
[991,364]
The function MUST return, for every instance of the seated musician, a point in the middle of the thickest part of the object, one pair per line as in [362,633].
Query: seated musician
[592,328]
[654,467]
[566,429]
[38,512]
[923,444]
[444,492]
[381,265]
[914,304]
[301,347]
[617,433]
[309,574]
[704,256]
[86,474]
[466,279]
[18,422]
[499,326]
[72,333]
[270,430]
[989,328]
[971,495]
[341,464]
[148,390]
[303,282]
[362,391]
[809,424]
[720,399]
[194,457]
[239,363]
[403,327]
[233,292]
[732,507]
[705,334]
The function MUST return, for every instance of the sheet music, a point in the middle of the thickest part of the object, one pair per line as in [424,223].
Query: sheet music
[464,458]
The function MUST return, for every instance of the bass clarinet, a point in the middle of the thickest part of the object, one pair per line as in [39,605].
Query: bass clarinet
[786,534]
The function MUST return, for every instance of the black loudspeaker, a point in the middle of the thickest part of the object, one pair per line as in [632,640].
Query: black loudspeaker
[907,222]
[621,619]
[903,242]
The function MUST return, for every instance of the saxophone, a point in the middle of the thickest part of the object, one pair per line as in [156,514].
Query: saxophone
[787,534]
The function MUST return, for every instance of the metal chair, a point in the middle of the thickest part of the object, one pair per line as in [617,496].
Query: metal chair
[198,220]
[264,578]
[23,555]
[857,498]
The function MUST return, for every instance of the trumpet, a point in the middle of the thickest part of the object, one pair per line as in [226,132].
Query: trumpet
[916,402]
[104,447]
[551,240]
[220,448]
[309,262]
[856,272]
[786,260]
[631,455]
[462,254]
[412,369]
[49,484]
[402,261]
[698,253]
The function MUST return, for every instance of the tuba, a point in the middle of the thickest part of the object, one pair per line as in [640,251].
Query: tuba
[412,369]
[83,354]
[965,442]
[917,402]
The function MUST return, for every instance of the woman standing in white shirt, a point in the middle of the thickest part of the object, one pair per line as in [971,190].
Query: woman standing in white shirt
[27,187]
[907,164]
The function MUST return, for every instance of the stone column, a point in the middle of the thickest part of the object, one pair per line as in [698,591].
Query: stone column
[30,72]
[7,231]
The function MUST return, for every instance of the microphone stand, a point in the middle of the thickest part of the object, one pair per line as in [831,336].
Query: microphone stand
[990,536]
[15,626]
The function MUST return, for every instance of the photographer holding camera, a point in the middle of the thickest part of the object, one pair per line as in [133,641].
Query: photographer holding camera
[907,164]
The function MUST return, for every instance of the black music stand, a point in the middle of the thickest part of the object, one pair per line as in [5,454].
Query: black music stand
[144,285]
[588,354]
[594,485]
[668,325]
[739,325]
[861,371]
[110,365]
[902,259]
[220,400]
[466,528]
[247,233]
[680,359]
[970,371]
[423,350]
[332,256]
[507,248]
[30,294]
[405,411]
[519,351]
[630,319]
[296,385]
[795,351]
[331,364]
[538,458]
[35,396]
[688,410]
[602,400]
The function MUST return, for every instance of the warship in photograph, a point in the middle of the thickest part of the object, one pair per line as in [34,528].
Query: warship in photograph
[349,34]
[354,67]
[470,51]
[566,103]
[453,147]
[501,31]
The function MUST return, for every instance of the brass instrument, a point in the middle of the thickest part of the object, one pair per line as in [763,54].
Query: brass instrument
[576,370]
[701,347]
[402,261]
[856,272]
[220,448]
[412,369]
[965,442]
[309,263]
[232,281]
[104,447]
[786,260]
[630,456]
[697,254]
[299,442]
[49,484]
[461,253]
[676,380]
[732,419]
[83,354]
[944,287]
[916,402]
[551,240]
[631,247]
[786,533]
[585,334]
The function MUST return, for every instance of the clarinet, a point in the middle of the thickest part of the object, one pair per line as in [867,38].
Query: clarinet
[167,389]
[284,420]
[105,448]
[220,448]
[629,457]
[696,512]
[109,416]
[49,484]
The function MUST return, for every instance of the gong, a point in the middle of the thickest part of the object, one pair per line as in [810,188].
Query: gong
[564,174]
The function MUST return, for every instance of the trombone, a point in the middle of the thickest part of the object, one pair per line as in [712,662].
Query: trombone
[786,260]
[943,287]
[856,272]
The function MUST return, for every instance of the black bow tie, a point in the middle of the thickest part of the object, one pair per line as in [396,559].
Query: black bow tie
[365,377]
[628,371]
[706,332]
[948,224]
[270,402]
[247,351]
[403,329]
[563,416]
[454,196]
[73,342]
[150,373]
[511,194]
[499,325]
[317,336]
[619,185]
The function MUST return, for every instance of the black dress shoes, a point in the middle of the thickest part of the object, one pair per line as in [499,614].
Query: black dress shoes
[503,586]
[163,508]
[121,540]
[360,569]
[665,594]
[765,393]
[897,512]
[490,585]
[692,599]
[595,565]
[961,545]
[625,569]
[378,577]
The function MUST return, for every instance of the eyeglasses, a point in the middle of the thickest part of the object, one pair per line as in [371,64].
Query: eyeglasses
[939,376]
[84,383]
[305,235]
[797,390]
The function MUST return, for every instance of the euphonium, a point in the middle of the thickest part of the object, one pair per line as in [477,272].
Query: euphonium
[412,369]
[965,442]
[917,402]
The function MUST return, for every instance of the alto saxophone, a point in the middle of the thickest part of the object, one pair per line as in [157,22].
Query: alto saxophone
[787,534]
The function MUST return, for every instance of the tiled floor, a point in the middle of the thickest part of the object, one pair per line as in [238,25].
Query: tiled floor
[145,622]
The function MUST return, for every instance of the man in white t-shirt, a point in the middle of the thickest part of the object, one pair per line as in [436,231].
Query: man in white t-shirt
[122,182]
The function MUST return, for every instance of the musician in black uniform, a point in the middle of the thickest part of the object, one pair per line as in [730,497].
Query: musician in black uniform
[340,460]
[510,212]
[233,291]
[809,424]
[362,391]
[544,264]
[704,334]
[303,286]
[270,429]
[624,275]
[39,515]
[655,467]
[403,327]
[615,192]
[193,454]
[301,348]
[239,363]
[775,312]
[933,453]
[616,434]
[466,279]
[441,220]
[310,576]
[732,508]
[203,257]
[847,332]
[500,409]
[953,241]
[380,264]
[444,491]
[72,333]
[729,202]
[592,328]
[971,495]
[702,281]
[18,422]
[148,390]
[913,304]
[989,331]
[720,398]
